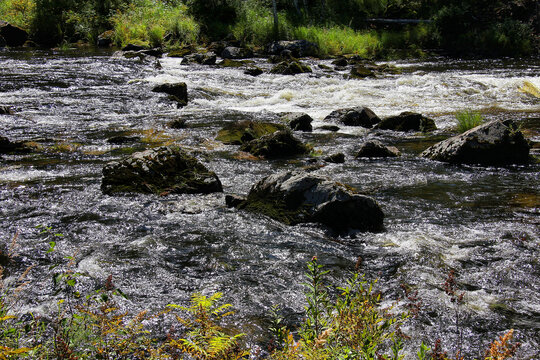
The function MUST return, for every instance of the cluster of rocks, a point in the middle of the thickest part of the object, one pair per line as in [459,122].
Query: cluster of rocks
[365,117]
[289,197]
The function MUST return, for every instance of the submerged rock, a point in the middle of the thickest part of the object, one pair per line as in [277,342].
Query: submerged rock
[177,123]
[177,91]
[230,63]
[494,143]
[13,35]
[407,121]
[121,139]
[159,171]
[241,132]
[290,68]
[7,146]
[338,158]
[298,48]
[298,121]
[253,71]
[375,148]
[277,145]
[332,128]
[6,110]
[298,197]
[357,116]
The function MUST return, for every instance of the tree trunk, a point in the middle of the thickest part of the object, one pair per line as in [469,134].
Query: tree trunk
[276,24]
[297,7]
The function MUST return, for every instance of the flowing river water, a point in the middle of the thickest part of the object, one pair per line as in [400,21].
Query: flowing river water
[483,223]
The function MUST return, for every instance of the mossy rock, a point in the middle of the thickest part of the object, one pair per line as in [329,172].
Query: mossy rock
[280,144]
[362,72]
[159,171]
[230,63]
[179,53]
[240,132]
[496,143]
[290,68]
[299,197]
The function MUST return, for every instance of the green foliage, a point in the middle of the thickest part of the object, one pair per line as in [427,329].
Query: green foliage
[205,339]
[487,27]
[340,40]
[468,119]
[18,12]
[148,22]
[255,24]
[355,326]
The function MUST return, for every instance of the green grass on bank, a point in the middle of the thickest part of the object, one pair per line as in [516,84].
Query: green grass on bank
[336,28]
[153,24]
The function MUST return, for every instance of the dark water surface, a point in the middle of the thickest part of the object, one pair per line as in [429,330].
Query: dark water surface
[483,223]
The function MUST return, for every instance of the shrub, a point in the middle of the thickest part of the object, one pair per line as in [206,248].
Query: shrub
[468,119]
[18,12]
[354,326]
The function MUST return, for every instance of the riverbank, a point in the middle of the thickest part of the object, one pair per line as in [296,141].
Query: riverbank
[509,29]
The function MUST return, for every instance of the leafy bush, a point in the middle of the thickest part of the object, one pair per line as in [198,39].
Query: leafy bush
[468,119]
[18,12]
[354,326]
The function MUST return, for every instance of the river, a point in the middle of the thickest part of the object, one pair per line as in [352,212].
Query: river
[483,223]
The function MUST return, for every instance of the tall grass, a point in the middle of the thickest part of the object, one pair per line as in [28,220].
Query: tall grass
[150,22]
[468,119]
[340,40]
[255,25]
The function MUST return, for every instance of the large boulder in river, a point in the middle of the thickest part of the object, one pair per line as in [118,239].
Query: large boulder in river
[299,197]
[177,92]
[357,116]
[375,148]
[280,144]
[494,143]
[238,133]
[13,35]
[159,171]
[298,48]
[407,121]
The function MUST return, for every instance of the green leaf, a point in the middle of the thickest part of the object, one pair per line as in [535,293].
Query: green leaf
[52,245]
